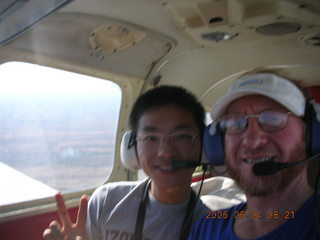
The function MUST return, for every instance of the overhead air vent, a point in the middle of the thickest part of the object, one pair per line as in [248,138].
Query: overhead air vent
[279,28]
[312,39]
[218,36]
[114,37]
[213,13]
[315,41]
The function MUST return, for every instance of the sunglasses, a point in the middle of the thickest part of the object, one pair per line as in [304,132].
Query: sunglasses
[269,121]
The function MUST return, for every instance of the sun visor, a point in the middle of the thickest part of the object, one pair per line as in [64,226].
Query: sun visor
[16,16]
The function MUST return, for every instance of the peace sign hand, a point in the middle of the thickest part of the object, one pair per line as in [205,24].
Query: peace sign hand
[68,230]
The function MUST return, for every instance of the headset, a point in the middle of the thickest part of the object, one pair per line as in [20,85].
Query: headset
[130,160]
[128,153]
[213,137]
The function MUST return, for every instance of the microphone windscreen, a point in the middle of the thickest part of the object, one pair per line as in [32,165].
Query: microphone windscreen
[176,164]
[265,168]
[271,167]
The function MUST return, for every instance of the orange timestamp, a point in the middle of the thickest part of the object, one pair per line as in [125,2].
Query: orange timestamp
[217,214]
[286,214]
[274,214]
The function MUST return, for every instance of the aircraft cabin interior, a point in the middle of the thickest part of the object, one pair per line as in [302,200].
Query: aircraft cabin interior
[72,69]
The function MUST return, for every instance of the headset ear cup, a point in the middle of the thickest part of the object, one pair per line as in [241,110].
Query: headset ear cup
[213,145]
[128,153]
[314,131]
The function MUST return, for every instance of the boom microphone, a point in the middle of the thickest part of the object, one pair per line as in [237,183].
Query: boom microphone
[268,168]
[178,164]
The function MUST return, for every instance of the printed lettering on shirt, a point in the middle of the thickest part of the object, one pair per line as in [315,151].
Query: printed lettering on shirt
[112,234]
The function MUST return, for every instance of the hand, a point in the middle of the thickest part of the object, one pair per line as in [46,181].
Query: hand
[68,230]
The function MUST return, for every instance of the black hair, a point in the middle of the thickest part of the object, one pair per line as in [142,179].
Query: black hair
[167,96]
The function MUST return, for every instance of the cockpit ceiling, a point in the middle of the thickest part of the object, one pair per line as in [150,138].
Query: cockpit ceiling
[210,22]
[181,42]
[95,41]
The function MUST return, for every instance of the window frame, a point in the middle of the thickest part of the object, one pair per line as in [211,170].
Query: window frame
[130,88]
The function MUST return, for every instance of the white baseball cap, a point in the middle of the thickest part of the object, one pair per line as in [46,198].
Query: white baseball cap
[270,85]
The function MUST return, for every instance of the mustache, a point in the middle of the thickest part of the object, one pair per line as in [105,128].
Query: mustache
[261,150]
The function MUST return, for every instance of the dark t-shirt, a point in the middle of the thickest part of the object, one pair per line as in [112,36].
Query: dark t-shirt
[218,225]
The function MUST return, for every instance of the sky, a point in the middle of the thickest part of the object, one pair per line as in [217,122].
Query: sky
[26,78]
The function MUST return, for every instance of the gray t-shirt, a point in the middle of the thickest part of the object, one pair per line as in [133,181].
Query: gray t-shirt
[113,212]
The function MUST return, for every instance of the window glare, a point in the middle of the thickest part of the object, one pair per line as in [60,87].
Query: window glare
[57,127]
[31,79]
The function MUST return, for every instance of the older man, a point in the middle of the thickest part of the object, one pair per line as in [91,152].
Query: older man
[262,121]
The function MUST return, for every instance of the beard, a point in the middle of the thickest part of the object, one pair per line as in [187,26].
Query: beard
[270,185]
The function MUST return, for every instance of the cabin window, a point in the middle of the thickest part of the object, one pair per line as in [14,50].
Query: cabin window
[58,131]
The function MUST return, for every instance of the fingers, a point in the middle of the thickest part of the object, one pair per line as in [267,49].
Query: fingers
[53,232]
[82,213]
[63,212]
[69,231]
[80,238]
[55,226]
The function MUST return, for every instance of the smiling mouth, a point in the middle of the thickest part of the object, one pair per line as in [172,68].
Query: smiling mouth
[258,160]
[165,168]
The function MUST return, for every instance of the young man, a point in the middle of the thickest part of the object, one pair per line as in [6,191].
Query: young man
[167,125]
[262,119]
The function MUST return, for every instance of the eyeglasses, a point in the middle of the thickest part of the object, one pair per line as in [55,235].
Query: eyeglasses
[269,121]
[178,140]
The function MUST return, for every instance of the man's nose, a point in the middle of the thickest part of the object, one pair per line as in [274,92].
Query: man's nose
[166,148]
[254,136]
